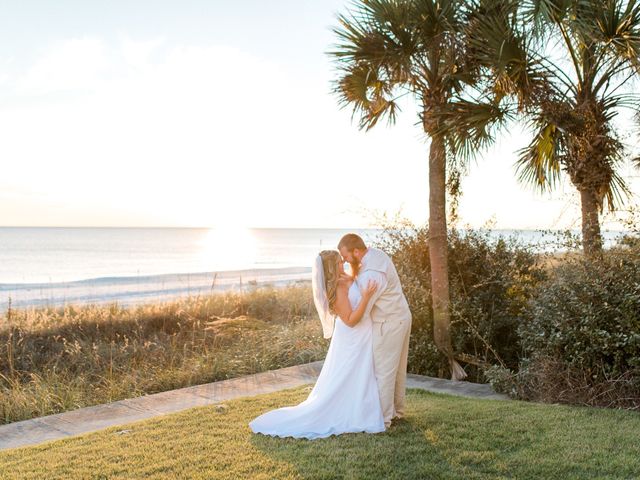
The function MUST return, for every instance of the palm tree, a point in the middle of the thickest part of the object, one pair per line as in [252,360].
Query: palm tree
[636,160]
[573,123]
[391,48]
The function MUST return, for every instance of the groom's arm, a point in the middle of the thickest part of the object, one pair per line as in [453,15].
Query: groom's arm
[380,278]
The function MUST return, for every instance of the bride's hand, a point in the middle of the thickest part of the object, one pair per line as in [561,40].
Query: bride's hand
[368,292]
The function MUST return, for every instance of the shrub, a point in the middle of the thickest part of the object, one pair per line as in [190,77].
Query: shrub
[490,282]
[582,342]
[502,379]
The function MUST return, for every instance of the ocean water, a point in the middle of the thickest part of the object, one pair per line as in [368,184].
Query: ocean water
[59,265]
[47,266]
[51,255]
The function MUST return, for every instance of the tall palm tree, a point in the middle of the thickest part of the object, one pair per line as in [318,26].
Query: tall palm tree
[636,160]
[391,48]
[574,132]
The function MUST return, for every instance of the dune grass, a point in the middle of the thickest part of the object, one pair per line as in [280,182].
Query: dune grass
[58,359]
[442,437]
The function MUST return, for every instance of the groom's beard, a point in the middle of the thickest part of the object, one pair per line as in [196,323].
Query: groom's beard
[355,268]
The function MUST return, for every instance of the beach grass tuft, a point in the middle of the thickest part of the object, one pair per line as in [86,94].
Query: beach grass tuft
[57,359]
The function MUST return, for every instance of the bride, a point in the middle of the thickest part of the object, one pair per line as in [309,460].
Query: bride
[345,397]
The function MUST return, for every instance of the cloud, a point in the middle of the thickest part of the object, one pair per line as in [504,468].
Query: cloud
[73,64]
[138,53]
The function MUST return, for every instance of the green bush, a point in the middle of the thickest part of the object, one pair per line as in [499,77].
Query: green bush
[502,379]
[490,281]
[588,313]
[585,322]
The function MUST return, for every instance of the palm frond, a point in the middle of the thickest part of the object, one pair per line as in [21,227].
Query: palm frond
[504,51]
[384,46]
[368,94]
[374,58]
[541,14]
[469,126]
[539,163]
[378,32]
[615,193]
[434,19]
[359,42]
[613,27]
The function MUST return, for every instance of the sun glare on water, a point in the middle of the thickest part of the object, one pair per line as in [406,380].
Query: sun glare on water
[228,248]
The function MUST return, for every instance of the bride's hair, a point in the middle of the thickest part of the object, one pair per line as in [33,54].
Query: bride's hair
[330,261]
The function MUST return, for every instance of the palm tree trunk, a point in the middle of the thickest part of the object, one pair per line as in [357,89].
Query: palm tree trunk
[438,252]
[591,236]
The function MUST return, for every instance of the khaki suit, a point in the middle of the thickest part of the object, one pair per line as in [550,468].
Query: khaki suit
[391,318]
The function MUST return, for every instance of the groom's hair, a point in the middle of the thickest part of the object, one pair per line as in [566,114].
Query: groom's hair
[351,241]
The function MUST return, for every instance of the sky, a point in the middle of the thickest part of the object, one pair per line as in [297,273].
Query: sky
[210,113]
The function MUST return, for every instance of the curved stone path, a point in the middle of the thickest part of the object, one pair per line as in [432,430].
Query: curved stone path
[89,419]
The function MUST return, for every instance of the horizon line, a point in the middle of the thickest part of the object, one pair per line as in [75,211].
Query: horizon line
[286,228]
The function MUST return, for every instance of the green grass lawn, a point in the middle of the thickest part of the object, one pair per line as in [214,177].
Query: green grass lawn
[442,437]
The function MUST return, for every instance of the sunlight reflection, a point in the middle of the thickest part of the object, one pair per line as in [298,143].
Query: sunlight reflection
[229,248]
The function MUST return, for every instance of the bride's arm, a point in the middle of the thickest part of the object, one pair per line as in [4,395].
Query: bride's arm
[354,316]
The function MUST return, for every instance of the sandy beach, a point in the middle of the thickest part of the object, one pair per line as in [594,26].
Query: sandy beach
[127,291]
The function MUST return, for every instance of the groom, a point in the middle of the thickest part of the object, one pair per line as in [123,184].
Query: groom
[391,318]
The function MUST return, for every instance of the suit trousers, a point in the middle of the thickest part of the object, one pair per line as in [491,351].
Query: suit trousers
[390,352]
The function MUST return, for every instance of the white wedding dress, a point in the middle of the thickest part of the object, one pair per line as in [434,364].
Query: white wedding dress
[345,397]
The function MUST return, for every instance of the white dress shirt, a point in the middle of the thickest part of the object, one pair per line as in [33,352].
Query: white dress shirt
[363,279]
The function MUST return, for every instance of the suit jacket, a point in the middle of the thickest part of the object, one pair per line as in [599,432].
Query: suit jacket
[388,304]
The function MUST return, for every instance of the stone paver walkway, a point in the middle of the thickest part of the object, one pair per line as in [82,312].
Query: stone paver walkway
[88,419]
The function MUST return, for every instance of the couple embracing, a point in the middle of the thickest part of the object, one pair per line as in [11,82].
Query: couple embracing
[361,386]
